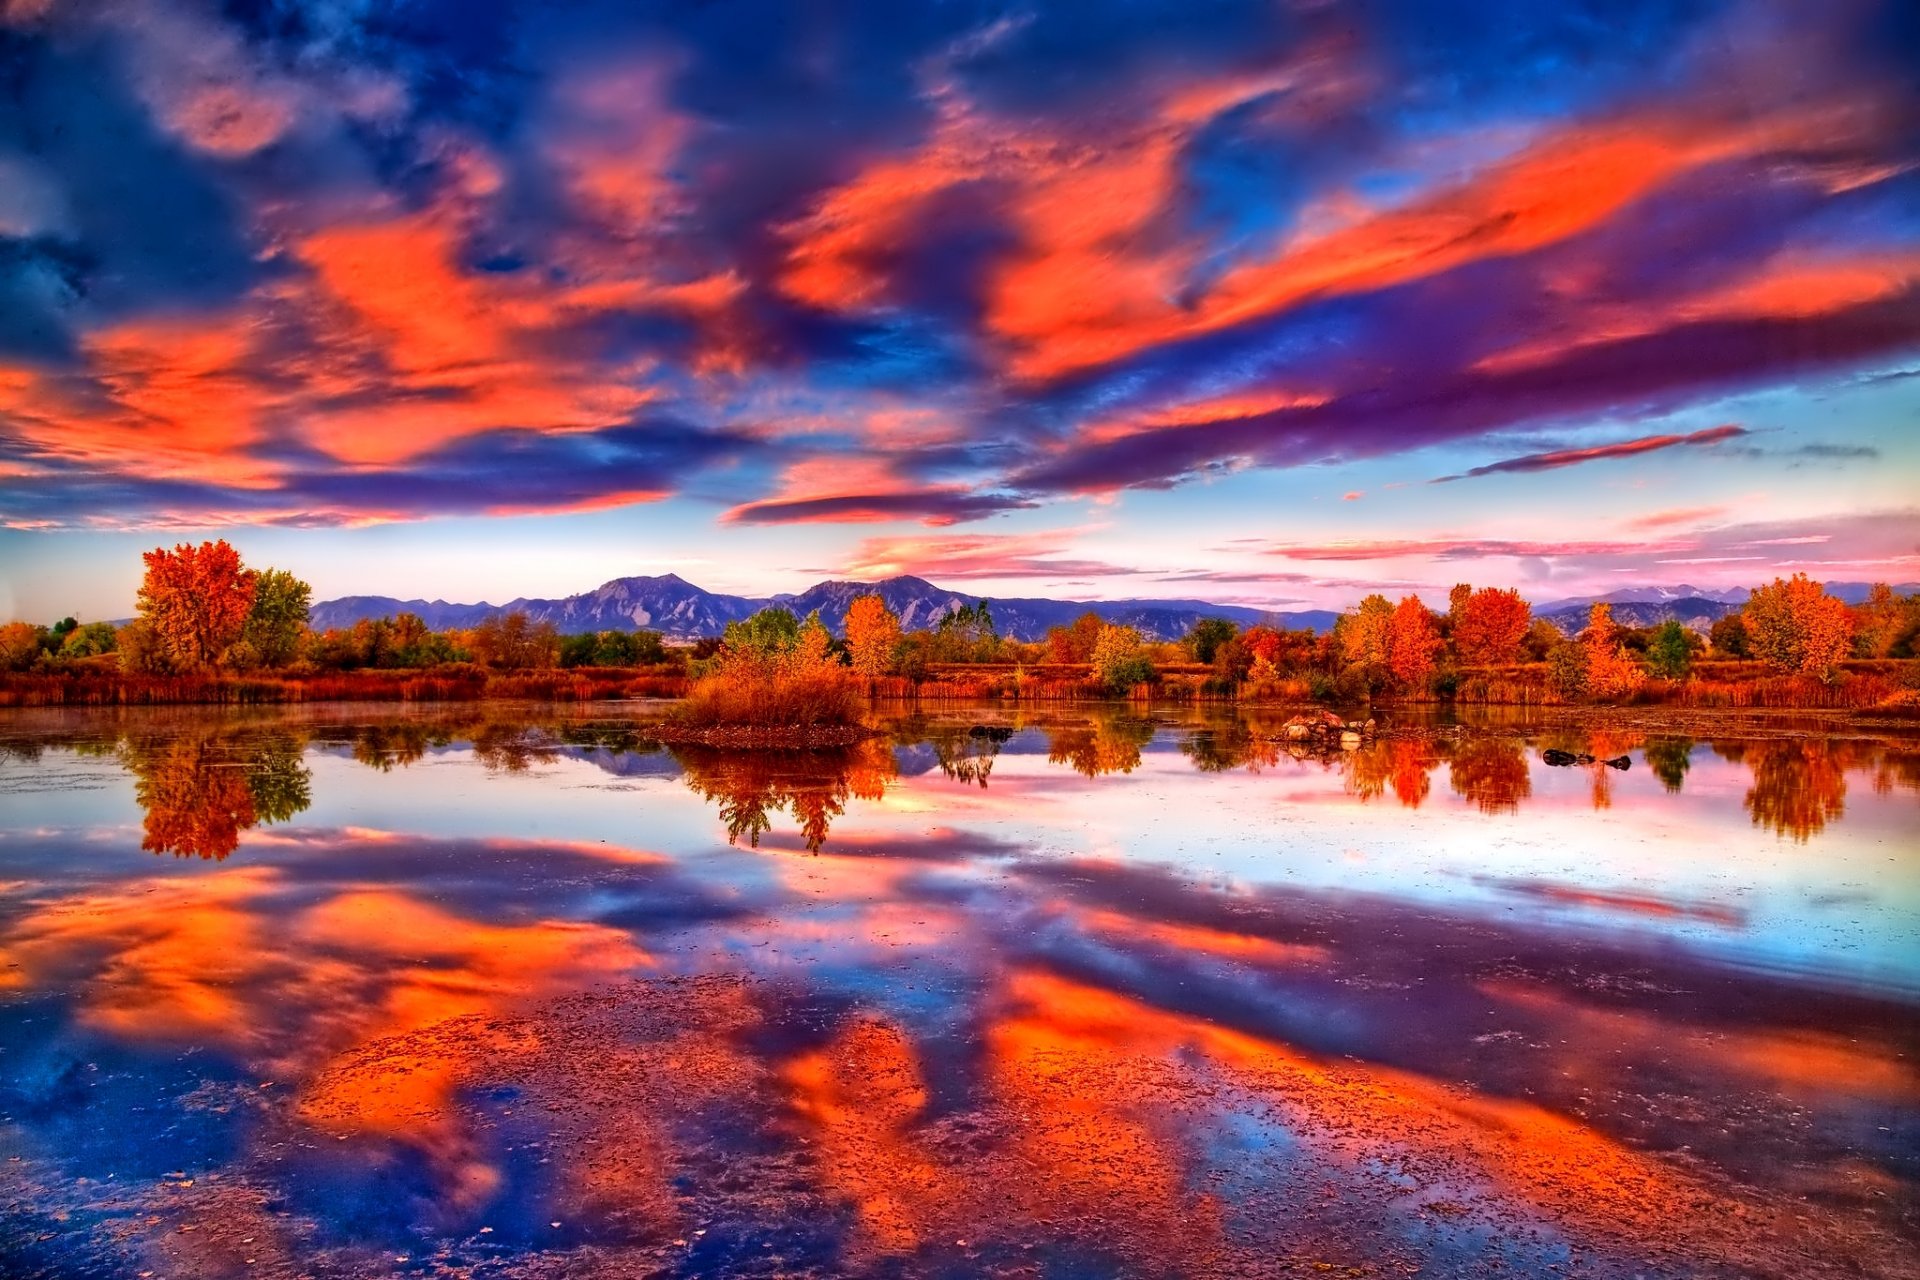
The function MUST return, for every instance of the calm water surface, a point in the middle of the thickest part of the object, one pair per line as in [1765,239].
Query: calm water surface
[507,991]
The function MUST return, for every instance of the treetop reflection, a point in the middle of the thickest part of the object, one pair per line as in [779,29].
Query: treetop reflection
[202,784]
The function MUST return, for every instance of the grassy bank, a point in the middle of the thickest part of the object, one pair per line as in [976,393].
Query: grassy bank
[1881,685]
[107,688]
[1860,685]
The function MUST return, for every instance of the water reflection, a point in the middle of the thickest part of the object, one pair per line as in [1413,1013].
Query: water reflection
[813,787]
[1103,1016]
[200,790]
[201,787]
[1100,743]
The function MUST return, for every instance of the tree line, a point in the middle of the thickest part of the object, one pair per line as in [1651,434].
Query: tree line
[202,610]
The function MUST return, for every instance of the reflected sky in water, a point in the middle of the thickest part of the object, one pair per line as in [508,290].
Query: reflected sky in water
[1074,992]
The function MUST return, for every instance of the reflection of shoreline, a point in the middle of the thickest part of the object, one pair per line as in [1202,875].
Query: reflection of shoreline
[205,778]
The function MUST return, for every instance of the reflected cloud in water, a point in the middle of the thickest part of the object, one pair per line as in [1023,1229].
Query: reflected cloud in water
[1316,1016]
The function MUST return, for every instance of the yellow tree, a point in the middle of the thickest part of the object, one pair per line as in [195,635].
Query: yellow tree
[873,635]
[196,600]
[1365,633]
[1794,625]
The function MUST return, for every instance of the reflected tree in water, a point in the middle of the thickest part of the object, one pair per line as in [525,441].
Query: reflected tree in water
[1229,745]
[1669,759]
[201,791]
[1105,744]
[1403,765]
[382,746]
[966,754]
[1491,772]
[1799,785]
[1896,769]
[812,786]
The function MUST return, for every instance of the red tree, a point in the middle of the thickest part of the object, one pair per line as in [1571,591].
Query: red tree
[1412,642]
[196,599]
[1489,626]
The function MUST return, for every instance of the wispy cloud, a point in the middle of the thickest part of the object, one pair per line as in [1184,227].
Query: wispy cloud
[1557,458]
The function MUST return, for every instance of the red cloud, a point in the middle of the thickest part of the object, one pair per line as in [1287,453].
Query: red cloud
[974,556]
[1597,453]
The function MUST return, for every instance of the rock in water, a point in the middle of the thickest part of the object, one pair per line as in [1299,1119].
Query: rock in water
[1558,758]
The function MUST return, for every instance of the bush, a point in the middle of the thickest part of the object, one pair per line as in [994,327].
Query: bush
[1567,670]
[776,699]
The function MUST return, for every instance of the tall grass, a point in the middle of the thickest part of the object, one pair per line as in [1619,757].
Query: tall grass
[767,698]
[453,684]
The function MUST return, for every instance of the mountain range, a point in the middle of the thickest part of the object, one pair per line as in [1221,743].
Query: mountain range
[683,611]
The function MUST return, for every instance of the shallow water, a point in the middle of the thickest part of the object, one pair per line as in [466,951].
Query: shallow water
[501,991]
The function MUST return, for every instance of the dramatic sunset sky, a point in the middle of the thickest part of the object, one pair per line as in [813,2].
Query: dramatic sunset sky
[1269,302]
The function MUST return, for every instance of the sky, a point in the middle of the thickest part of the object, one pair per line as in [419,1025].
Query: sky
[1265,303]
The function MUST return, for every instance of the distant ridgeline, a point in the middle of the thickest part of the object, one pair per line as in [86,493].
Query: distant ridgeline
[682,611]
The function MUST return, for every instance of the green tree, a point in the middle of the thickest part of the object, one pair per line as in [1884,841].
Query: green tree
[89,639]
[1208,634]
[1728,636]
[773,630]
[1670,652]
[1567,669]
[278,619]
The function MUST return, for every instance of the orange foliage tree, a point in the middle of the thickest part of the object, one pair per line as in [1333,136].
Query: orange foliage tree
[1412,642]
[196,601]
[1489,626]
[19,646]
[1364,633]
[1879,621]
[1611,673]
[873,635]
[1794,625]
[1075,643]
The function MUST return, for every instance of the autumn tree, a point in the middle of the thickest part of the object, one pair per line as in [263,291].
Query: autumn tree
[1883,621]
[1729,637]
[873,635]
[1489,627]
[19,646]
[1075,643]
[1364,633]
[1412,641]
[1457,600]
[1794,625]
[196,600]
[513,641]
[1610,671]
[1118,659]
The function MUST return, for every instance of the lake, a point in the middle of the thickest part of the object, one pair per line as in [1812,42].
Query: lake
[504,991]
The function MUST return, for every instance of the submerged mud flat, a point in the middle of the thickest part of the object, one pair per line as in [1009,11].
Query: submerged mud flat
[1076,994]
